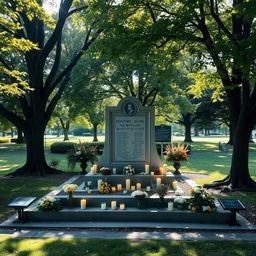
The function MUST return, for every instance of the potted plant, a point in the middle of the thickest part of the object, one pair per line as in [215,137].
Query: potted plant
[49,203]
[176,154]
[139,196]
[162,190]
[82,153]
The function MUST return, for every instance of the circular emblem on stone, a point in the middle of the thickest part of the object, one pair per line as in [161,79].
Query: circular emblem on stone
[130,109]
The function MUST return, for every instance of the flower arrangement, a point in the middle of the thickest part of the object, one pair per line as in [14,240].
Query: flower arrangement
[70,188]
[162,190]
[139,196]
[176,153]
[181,203]
[49,203]
[128,170]
[105,170]
[201,200]
[82,153]
[105,188]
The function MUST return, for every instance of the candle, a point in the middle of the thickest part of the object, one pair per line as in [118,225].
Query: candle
[113,189]
[177,192]
[103,206]
[174,185]
[165,168]
[132,187]
[158,182]
[161,170]
[128,184]
[148,188]
[113,205]
[146,168]
[99,183]
[138,186]
[125,192]
[114,170]
[122,206]
[119,187]
[92,170]
[83,204]
[152,173]
[170,206]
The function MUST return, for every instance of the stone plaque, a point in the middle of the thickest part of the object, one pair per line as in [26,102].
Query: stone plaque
[130,136]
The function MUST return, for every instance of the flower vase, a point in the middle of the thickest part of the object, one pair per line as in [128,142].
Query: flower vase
[177,166]
[70,200]
[83,166]
[162,202]
[140,202]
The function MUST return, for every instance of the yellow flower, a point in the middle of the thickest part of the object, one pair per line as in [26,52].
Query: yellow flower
[193,209]
[191,190]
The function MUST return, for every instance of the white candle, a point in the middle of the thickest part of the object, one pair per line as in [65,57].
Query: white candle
[138,186]
[113,205]
[158,182]
[119,187]
[148,188]
[170,206]
[114,170]
[146,168]
[128,184]
[95,167]
[113,189]
[174,185]
[122,206]
[103,206]
[83,204]
[99,183]
[132,188]
[92,170]
[152,173]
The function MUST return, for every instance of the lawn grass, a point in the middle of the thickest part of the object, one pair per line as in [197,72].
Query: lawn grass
[11,188]
[109,247]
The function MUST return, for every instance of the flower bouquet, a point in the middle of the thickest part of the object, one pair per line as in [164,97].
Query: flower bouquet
[161,190]
[128,170]
[70,188]
[49,204]
[139,196]
[176,154]
[180,203]
[201,200]
[105,188]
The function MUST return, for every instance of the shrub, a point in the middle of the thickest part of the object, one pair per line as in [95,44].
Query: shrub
[62,147]
[4,140]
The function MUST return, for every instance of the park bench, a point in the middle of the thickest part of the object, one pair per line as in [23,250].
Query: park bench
[234,206]
[20,203]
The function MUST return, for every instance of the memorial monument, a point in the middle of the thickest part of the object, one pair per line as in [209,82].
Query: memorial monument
[130,136]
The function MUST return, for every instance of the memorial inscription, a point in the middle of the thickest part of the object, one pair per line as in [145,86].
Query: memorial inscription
[130,136]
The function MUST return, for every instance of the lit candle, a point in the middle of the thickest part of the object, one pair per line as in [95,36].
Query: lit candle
[128,184]
[152,173]
[95,168]
[158,182]
[83,204]
[119,187]
[161,170]
[170,206]
[103,206]
[113,205]
[92,170]
[132,188]
[114,170]
[146,168]
[113,189]
[148,188]
[99,183]
[138,186]
[165,168]
[122,206]
[174,185]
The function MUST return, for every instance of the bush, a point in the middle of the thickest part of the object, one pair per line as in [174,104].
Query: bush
[62,147]
[4,140]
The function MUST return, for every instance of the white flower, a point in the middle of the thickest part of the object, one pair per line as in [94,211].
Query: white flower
[179,200]
[78,153]
[139,193]
[205,208]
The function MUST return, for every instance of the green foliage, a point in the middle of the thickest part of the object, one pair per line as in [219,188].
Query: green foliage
[61,147]
[54,163]
[49,203]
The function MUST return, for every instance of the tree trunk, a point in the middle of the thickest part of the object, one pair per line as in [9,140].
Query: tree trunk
[65,128]
[187,124]
[36,163]
[3,133]
[95,132]
[196,132]
[65,131]
[230,141]
[12,132]
[20,138]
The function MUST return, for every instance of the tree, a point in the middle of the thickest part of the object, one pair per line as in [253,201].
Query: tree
[46,80]
[224,32]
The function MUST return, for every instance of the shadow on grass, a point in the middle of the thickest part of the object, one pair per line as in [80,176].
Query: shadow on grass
[109,247]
